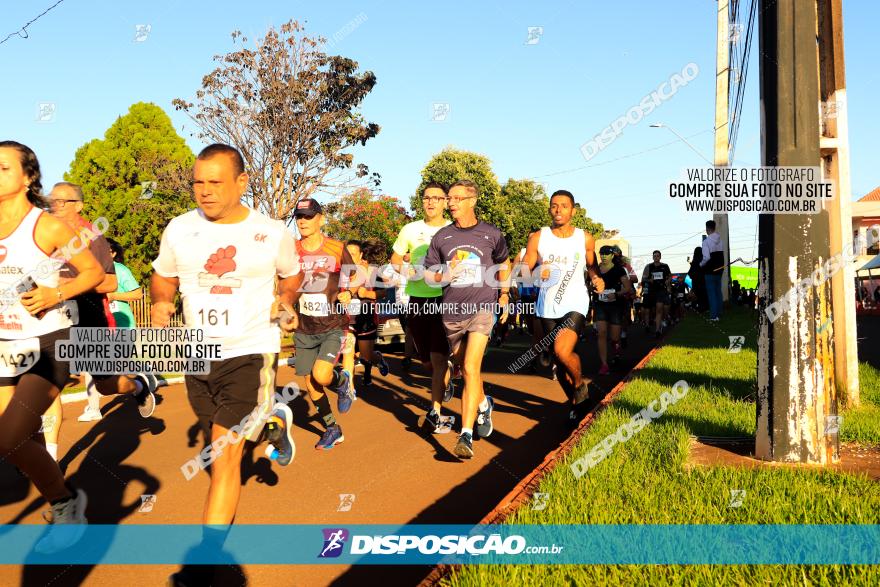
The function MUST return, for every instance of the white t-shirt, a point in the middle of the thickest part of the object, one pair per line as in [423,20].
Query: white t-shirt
[227,277]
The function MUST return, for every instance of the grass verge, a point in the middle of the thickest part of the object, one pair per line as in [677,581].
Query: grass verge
[644,481]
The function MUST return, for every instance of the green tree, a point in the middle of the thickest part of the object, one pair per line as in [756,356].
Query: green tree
[361,215]
[525,203]
[117,174]
[451,165]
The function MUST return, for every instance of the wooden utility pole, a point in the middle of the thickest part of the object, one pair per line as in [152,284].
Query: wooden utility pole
[722,129]
[834,144]
[796,387]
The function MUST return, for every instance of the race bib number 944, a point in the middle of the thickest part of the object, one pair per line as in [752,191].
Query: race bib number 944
[18,356]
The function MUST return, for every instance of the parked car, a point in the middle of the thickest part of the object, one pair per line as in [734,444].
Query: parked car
[390,329]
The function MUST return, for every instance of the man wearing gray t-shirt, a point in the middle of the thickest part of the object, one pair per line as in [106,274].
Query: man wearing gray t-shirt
[466,255]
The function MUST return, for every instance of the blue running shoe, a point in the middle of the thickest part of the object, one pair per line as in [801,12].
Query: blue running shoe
[331,438]
[484,419]
[278,433]
[464,448]
[383,366]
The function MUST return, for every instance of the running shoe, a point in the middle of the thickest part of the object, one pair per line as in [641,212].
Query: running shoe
[406,363]
[449,392]
[603,370]
[582,393]
[331,438]
[279,428]
[484,419]
[464,448]
[437,423]
[383,365]
[68,524]
[89,415]
[146,399]
[344,401]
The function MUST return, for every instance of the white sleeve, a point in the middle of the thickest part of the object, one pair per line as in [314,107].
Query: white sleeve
[706,252]
[401,245]
[166,263]
[287,264]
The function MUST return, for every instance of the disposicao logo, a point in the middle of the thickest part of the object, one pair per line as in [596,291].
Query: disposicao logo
[334,541]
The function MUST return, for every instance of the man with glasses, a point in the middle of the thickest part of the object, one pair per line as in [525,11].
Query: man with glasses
[425,322]
[93,308]
[463,255]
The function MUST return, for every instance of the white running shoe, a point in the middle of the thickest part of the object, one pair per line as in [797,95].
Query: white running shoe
[67,526]
[89,415]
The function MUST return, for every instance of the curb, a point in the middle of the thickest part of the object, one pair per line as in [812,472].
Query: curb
[81,396]
[523,490]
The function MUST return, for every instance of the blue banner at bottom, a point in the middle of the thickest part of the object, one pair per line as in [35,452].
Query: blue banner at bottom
[448,544]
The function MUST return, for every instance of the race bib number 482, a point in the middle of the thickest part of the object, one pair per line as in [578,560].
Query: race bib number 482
[18,356]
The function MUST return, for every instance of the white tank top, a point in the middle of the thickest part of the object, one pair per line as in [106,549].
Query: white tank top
[22,263]
[565,290]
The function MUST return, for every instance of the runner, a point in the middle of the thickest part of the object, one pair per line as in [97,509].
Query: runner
[127,290]
[610,302]
[629,303]
[94,307]
[425,322]
[657,276]
[363,325]
[223,257]
[34,315]
[461,255]
[321,337]
[565,253]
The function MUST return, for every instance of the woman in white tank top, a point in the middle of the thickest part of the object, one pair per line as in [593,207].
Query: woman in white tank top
[33,316]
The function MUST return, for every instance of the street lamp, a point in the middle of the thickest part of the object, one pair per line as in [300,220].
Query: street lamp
[684,140]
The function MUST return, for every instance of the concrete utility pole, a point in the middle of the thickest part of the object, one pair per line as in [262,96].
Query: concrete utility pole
[722,129]
[796,383]
[834,144]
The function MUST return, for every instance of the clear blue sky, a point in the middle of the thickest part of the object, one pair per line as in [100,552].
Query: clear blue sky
[528,107]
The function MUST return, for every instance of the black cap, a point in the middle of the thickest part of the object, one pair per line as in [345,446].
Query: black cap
[307,207]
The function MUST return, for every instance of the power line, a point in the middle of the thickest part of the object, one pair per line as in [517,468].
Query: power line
[664,145]
[22,32]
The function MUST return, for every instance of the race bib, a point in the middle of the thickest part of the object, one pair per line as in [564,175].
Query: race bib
[18,356]
[657,276]
[354,307]
[219,315]
[114,306]
[609,295]
[679,296]
[314,304]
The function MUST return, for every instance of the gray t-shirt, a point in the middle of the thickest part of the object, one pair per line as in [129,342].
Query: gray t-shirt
[476,248]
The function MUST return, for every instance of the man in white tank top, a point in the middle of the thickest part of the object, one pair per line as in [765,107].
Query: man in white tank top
[564,254]
[223,258]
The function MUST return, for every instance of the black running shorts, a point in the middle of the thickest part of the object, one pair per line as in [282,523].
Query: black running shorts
[573,321]
[610,312]
[45,366]
[426,328]
[234,391]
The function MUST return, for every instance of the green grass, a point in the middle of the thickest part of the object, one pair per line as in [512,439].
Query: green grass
[862,424]
[644,481]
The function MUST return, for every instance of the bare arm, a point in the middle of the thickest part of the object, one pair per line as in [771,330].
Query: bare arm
[108,285]
[127,296]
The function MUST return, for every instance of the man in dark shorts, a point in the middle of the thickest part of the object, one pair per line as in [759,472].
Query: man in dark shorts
[566,254]
[321,336]
[425,322]
[658,278]
[465,255]
[227,273]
